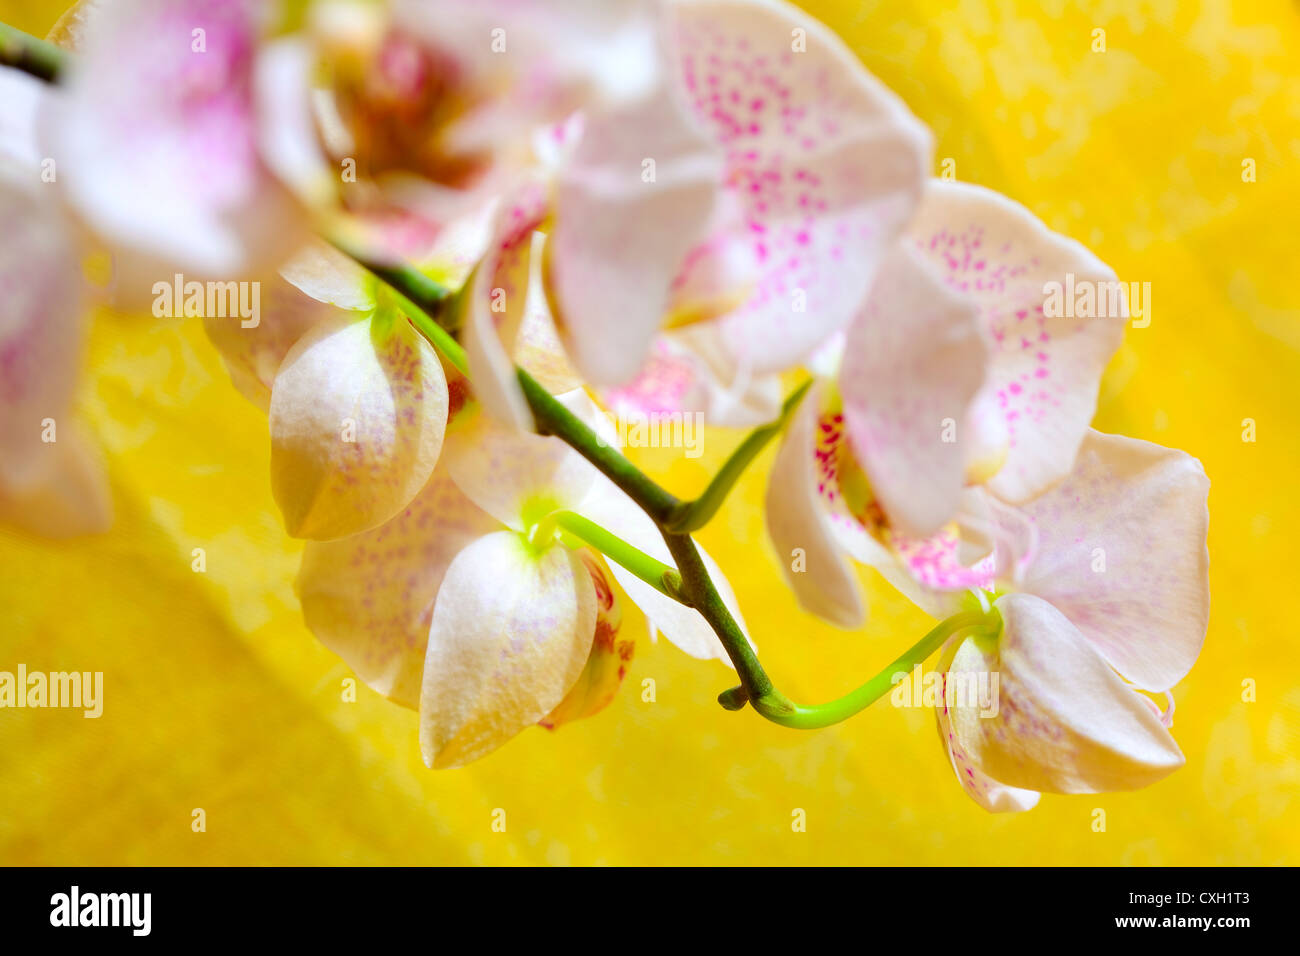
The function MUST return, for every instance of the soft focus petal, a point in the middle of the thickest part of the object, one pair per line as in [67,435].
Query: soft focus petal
[155,139]
[827,165]
[979,786]
[518,477]
[1065,722]
[369,597]
[612,509]
[511,634]
[913,362]
[1045,370]
[607,664]
[41,328]
[22,97]
[622,230]
[504,282]
[71,497]
[808,550]
[357,415]
[1122,553]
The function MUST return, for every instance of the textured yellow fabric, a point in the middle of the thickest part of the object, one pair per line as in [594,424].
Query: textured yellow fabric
[218,698]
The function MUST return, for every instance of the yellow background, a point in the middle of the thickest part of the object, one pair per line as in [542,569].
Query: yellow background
[218,697]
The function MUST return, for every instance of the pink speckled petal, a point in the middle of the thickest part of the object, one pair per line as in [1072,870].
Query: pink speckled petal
[826,162]
[913,362]
[369,597]
[1065,722]
[611,508]
[357,415]
[157,148]
[41,329]
[800,523]
[1122,552]
[1045,370]
[518,477]
[70,498]
[511,633]
[619,240]
[988,793]
[503,284]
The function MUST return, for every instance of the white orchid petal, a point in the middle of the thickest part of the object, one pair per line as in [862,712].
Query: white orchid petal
[71,497]
[369,597]
[993,796]
[1122,552]
[1044,370]
[498,299]
[799,524]
[357,419]
[518,476]
[1065,721]
[619,239]
[511,633]
[41,330]
[827,163]
[156,143]
[913,362]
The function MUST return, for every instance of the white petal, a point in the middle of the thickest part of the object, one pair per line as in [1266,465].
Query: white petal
[357,419]
[511,633]
[913,362]
[800,526]
[516,476]
[1045,370]
[1122,553]
[1065,722]
[825,161]
[369,597]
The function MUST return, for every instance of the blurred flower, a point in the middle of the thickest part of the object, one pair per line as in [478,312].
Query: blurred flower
[156,138]
[51,481]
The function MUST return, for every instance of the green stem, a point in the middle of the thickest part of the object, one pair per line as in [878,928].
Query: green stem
[24,52]
[700,593]
[781,711]
[653,572]
[693,515]
[552,418]
[429,295]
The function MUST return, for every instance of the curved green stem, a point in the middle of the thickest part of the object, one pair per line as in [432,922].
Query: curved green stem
[652,571]
[778,709]
[693,515]
[24,52]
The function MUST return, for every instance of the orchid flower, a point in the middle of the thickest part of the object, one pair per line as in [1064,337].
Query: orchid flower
[51,481]
[979,388]
[467,606]
[1116,595]
[823,168]
[156,141]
